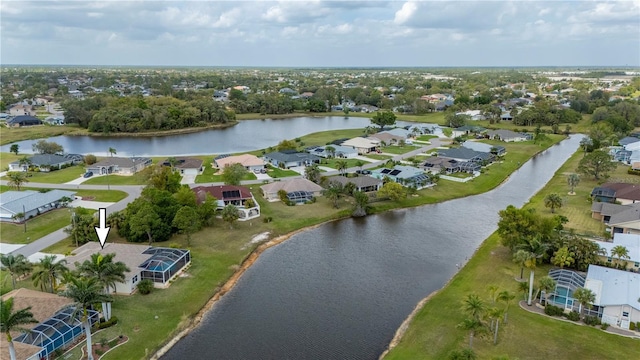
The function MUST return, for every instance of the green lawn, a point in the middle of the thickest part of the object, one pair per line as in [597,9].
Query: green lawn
[7,158]
[393,149]
[332,162]
[55,177]
[275,172]
[139,178]
[378,156]
[211,175]
[37,227]
[426,137]
[102,195]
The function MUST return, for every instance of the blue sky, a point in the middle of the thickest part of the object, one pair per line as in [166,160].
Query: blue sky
[321,33]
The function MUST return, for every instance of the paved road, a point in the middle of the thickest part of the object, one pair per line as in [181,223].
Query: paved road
[134,191]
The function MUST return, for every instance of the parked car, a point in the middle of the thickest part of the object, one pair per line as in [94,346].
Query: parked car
[363,172]
[88,174]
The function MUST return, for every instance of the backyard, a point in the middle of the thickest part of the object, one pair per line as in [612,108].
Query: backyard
[399,149]
[211,175]
[54,177]
[37,227]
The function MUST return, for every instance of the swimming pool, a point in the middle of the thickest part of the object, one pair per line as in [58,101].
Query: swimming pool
[563,297]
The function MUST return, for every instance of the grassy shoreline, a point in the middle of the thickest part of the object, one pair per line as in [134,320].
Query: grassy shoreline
[432,332]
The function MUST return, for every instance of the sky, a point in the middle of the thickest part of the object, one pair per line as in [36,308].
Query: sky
[321,33]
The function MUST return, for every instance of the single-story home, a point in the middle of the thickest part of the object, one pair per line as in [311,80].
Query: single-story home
[388,138]
[157,264]
[436,164]
[363,145]
[405,175]
[119,165]
[186,165]
[466,130]
[290,158]
[339,151]
[485,148]
[250,162]
[307,187]
[508,135]
[21,109]
[31,203]
[475,115]
[230,194]
[625,193]
[617,295]
[58,324]
[632,146]
[628,140]
[603,211]
[362,183]
[629,241]
[463,154]
[24,120]
[44,162]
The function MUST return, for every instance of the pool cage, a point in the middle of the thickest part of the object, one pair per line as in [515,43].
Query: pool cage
[299,197]
[57,331]
[164,264]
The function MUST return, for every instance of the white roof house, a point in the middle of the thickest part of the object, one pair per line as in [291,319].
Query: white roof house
[618,292]
[363,145]
[634,146]
[629,241]
[30,202]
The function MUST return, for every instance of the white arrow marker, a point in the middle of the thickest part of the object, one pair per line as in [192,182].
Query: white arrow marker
[103,230]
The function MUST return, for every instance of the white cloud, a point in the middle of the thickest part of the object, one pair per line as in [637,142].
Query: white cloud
[405,13]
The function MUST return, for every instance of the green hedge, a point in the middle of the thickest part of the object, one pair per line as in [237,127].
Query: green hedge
[105,324]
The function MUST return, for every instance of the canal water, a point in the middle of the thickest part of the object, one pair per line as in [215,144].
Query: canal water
[247,135]
[341,290]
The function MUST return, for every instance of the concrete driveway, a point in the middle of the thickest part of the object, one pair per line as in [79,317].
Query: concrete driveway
[188,179]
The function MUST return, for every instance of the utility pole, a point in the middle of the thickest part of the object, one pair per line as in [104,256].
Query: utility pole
[75,231]
[24,218]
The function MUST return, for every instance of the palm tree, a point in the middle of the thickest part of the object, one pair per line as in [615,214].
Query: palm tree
[330,150]
[102,268]
[523,287]
[230,214]
[47,271]
[585,297]
[12,321]
[553,201]
[520,257]
[475,309]
[546,284]
[473,326]
[506,297]
[573,180]
[497,314]
[85,292]
[342,166]
[361,204]
[112,151]
[535,250]
[15,265]
[16,179]
[25,162]
[620,252]
[312,173]
[360,164]
[334,193]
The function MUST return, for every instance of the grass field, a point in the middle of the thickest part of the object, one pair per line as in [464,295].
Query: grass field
[433,332]
[139,178]
[7,158]
[398,150]
[277,173]
[426,137]
[37,227]
[378,156]
[10,135]
[55,177]
[350,162]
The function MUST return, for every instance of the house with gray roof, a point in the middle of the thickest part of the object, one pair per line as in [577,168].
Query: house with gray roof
[485,148]
[362,183]
[119,165]
[508,135]
[44,162]
[31,203]
[463,154]
[628,140]
[339,151]
[290,158]
[405,175]
[298,190]
[24,120]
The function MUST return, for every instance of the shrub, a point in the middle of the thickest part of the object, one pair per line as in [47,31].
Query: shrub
[573,316]
[632,326]
[105,324]
[638,325]
[145,286]
[90,159]
[592,320]
[633,172]
[604,326]
[99,352]
[553,310]
[267,219]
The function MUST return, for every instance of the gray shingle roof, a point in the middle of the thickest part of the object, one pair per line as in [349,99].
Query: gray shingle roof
[359,182]
[463,153]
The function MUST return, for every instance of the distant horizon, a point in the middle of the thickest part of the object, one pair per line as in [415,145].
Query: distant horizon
[322,33]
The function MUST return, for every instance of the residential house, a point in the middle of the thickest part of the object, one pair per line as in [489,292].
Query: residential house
[290,158]
[624,193]
[230,195]
[628,140]
[626,222]
[31,203]
[287,91]
[186,165]
[622,155]
[388,138]
[507,135]
[463,154]
[24,120]
[498,150]
[467,130]
[363,145]
[298,190]
[339,151]
[505,116]
[602,211]
[250,162]
[21,110]
[403,132]
[158,264]
[119,165]
[629,241]
[436,165]
[57,325]
[405,175]
[474,115]
[362,183]
[44,162]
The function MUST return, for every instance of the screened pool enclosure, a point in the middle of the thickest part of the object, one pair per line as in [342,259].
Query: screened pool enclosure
[57,331]
[164,264]
[299,197]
